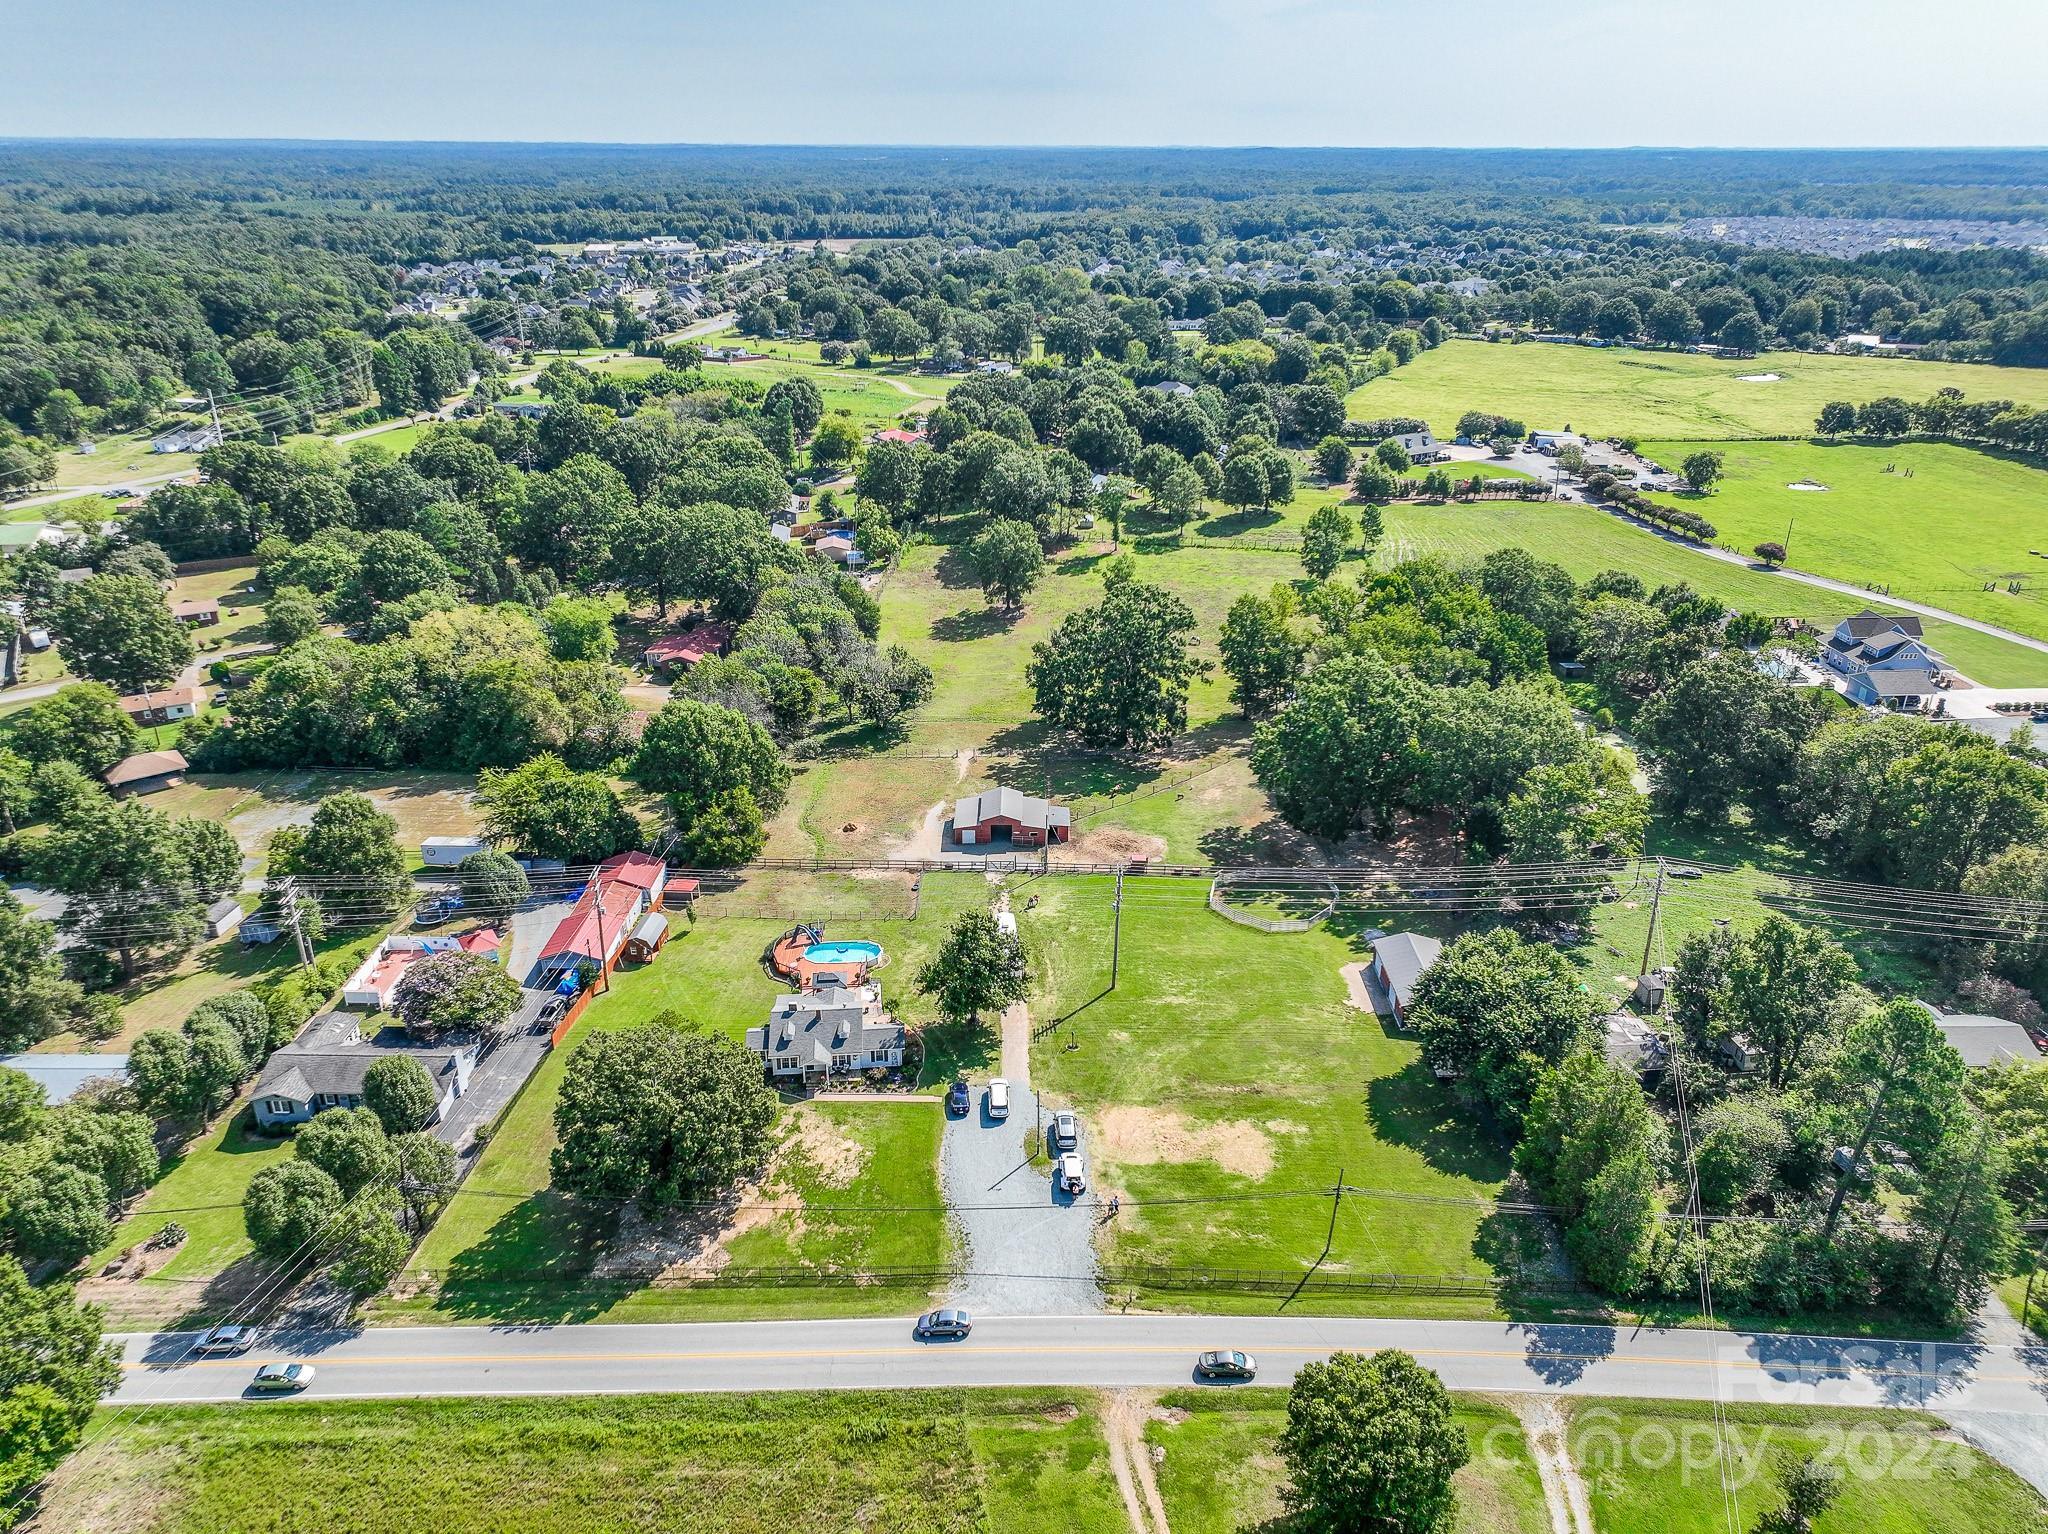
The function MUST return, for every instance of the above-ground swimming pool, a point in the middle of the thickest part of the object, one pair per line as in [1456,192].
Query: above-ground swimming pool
[843,953]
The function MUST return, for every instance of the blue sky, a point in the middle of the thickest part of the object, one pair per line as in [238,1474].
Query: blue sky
[1363,72]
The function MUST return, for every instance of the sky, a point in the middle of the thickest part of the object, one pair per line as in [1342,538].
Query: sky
[1570,73]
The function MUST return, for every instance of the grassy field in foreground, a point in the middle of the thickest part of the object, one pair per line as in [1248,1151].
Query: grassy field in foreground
[909,1462]
[1928,520]
[1660,394]
[1649,1468]
[1904,1474]
[1221,1471]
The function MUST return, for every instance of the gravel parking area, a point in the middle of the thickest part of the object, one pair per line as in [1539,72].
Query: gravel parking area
[1027,1247]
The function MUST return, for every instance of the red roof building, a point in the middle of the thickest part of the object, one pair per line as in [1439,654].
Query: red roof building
[898,434]
[593,936]
[681,651]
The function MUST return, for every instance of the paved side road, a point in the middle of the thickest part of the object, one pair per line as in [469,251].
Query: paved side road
[1106,1351]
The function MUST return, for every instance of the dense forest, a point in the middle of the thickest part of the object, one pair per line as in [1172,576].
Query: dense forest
[131,274]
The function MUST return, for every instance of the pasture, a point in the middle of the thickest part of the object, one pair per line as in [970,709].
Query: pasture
[1931,521]
[1607,391]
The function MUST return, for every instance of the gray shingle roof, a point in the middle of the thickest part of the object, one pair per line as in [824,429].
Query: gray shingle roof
[1404,958]
[329,1056]
[1010,804]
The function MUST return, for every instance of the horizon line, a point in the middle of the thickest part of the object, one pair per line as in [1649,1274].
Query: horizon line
[1015,145]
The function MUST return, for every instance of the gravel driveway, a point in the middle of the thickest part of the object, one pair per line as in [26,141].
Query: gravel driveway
[1028,1251]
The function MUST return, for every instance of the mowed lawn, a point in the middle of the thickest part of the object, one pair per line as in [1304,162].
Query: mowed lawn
[1658,394]
[1228,1071]
[1651,1468]
[1927,520]
[202,1190]
[509,1247]
[1220,1471]
[909,1462]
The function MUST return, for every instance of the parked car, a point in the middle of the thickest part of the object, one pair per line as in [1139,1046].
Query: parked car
[1066,1131]
[1686,873]
[281,1379]
[1227,1364]
[1071,1174]
[226,1339]
[958,1098]
[942,1325]
[999,1099]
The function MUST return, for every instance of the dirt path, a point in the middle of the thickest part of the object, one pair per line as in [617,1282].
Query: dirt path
[1563,1492]
[1017,1045]
[1130,1458]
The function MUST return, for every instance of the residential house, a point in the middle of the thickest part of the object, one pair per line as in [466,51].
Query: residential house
[838,547]
[150,709]
[325,1065]
[146,772]
[1399,961]
[679,652]
[1421,447]
[836,1030]
[1884,660]
[1006,815]
[906,437]
[198,612]
[187,439]
[1173,388]
[525,410]
[60,1076]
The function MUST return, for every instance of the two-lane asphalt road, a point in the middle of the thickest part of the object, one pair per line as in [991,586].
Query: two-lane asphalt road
[1099,1351]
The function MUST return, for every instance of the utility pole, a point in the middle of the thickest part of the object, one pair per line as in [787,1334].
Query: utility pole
[1650,937]
[1336,1203]
[1116,930]
[288,908]
[604,979]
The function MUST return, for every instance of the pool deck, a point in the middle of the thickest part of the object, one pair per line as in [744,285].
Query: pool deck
[786,960]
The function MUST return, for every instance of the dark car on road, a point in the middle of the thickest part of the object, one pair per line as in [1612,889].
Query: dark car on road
[958,1098]
[942,1325]
[1227,1364]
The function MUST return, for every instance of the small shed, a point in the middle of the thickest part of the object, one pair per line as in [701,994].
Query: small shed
[647,937]
[447,851]
[224,916]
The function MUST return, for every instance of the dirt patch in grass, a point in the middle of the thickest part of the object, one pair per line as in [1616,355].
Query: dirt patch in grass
[1146,1136]
[834,1158]
[1066,1411]
[102,1490]
[1113,844]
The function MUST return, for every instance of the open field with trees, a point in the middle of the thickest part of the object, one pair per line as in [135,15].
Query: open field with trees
[1934,521]
[1661,395]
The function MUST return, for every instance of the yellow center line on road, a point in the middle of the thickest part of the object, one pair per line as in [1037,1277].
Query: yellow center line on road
[1107,1350]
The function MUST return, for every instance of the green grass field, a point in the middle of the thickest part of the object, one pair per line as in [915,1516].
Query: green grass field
[908,1462]
[1228,1065]
[1929,520]
[1222,1473]
[1656,394]
[1904,1473]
